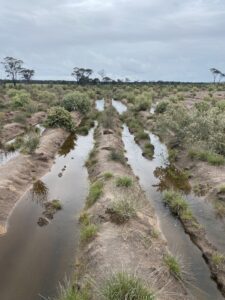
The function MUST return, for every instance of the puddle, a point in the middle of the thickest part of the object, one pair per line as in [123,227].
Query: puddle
[33,259]
[100,104]
[119,106]
[201,286]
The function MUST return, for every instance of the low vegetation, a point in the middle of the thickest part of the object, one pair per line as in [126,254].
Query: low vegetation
[96,190]
[124,181]
[122,209]
[121,286]
[173,265]
[58,117]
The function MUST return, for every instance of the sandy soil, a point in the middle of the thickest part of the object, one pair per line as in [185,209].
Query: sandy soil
[18,174]
[12,130]
[131,246]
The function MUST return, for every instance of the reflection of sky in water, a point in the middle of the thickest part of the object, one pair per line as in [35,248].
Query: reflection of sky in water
[99,104]
[119,106]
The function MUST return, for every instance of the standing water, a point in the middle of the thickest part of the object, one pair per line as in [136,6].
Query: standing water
[99,104]
[198,280]
[33,259]
[119,106]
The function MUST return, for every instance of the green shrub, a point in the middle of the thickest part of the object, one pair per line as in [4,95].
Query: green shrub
[95,192]
[47,97]
[218,259]
[148,150]
[161,107]
[124,181]
[210,157]
[21,99]
[123,286]
[30,143]
[59,117]
[76,101]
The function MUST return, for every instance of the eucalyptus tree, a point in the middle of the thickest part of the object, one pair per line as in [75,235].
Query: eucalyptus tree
[82,75]
[215,73]
[27,74]
[12,68]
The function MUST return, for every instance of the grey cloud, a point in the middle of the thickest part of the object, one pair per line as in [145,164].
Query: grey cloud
[157,39]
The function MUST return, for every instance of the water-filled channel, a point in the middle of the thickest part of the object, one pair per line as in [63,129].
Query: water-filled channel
[34,259]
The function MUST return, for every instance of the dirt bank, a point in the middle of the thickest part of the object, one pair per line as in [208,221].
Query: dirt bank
[132,244]
[12,130]
[18,174]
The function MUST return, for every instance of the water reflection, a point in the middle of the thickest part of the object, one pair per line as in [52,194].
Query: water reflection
[171,177]
[39,192]
[68,145]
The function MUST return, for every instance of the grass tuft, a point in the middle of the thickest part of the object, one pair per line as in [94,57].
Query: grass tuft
[123,286]
[87,232]
[124,181]
[173,266]
[95,192]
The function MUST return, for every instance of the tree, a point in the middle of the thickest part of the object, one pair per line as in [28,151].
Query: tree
[107,79]
[102,74]
[12,67]
[82,75]
[215,73]
[27,74]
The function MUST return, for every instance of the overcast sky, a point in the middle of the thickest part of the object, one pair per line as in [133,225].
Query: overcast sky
[139,39]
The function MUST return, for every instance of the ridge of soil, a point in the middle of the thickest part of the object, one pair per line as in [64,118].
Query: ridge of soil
[131,246]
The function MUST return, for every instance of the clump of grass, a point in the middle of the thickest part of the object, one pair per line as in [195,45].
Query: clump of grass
[91,159]
[95,192]
[218,259]
[15,145]
[30,143]
[177,204]
[210,157]
[148,150]
[124,181]
[71,292]
[173,265]
[117,156]
[107,175]
[87,232]
[122,210]
[124,286]
[84,218]
[141,135]
[56,204]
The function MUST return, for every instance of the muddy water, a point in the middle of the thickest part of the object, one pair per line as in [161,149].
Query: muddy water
[34,259]
[119,106]
[99,104]
[198,279]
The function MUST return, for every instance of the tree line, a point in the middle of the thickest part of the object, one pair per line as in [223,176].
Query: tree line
[15,71]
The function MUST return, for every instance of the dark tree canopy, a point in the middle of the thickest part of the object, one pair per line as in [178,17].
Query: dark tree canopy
[215,72]
[27,74]
[82,75]
[12,67]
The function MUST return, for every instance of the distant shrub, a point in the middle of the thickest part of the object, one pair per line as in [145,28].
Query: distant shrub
[47,97]
[143,102]
[210,157]
[21,99]
[161,107]
[202,106]
[58,117]
[76,101]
